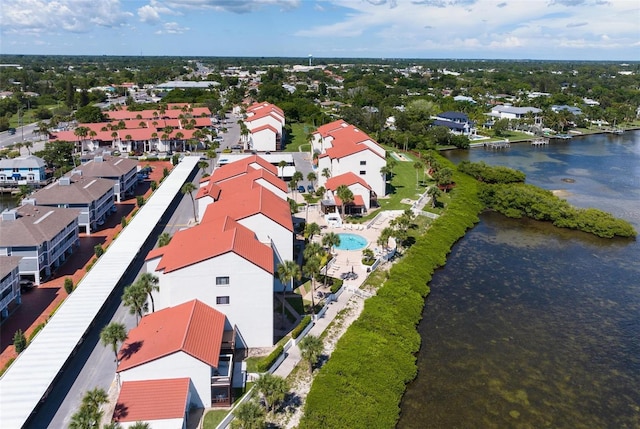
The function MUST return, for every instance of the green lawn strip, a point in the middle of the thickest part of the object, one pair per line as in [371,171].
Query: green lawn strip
[362,384]
[298,137]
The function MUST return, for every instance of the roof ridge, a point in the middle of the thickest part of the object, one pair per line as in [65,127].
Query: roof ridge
[187,327]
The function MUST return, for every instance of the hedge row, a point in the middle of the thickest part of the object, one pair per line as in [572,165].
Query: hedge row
[362,384]
[295,333]
[268,361]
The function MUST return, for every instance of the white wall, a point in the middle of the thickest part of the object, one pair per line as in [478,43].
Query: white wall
[267,230]
[203,203]
[263,140]
[250,292]
[277,191]
[265,120]
[159,424]
[177,365]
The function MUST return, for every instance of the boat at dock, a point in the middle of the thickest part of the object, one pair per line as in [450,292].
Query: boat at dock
[540,141]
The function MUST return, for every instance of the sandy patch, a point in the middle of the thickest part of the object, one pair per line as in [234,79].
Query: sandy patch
[561,193]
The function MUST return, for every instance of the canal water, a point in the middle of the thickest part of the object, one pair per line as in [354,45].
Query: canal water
[529,326]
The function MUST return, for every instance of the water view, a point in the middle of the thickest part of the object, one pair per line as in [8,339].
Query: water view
[530,326]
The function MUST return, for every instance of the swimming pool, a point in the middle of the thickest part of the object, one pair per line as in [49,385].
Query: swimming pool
[351,242]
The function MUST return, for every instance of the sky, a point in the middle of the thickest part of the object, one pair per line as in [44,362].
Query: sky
[463,29]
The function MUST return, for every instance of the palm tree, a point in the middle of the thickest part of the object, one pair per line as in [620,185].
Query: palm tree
[312,249]
[282,164]
[140,425]
[180,136]
[164,239]
[311,348]
[331,240]
[311,229]
[148,282]
[417,165]
[188,188]
[385,235]
[295,179]
[248,415]
[113,334]
[272,390]
[434,192]
[136,299]
[326,173]
[346,195]
[203,165]
[287,272]
[308,199]
[18,145]
[312,269]
[95,398]
[28,144]
[312,177]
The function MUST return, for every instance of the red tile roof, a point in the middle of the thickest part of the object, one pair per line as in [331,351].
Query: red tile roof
[238,202]
[357,200]
[262,114]
[265,106]
[262,128]
[211,189]
[146,400]
[149,113]
[209,240]
[193,328]
[242,167]
[324,130]
[346,179]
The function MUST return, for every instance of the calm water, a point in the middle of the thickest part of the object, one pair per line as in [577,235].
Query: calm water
[529,326]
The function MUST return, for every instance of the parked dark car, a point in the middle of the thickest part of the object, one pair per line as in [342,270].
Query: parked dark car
[26,285]
[310,189]
[11,131]
[301,189]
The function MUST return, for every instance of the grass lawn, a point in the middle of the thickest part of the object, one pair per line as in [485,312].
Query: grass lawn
[213,418]
[297,140]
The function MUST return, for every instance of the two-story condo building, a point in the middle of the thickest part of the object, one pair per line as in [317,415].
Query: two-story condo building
[343,148]
[42,236]
[93,196]
[182,341]
[122,171]
[223,264]
[265,123]
[23,168]
[9,283]
[361,190]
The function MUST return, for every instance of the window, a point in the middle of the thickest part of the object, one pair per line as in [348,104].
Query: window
[363,172]
[222,281]
[220,300]
[363,162]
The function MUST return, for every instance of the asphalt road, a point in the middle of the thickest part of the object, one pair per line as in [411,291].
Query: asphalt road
[24,133]
[93,365]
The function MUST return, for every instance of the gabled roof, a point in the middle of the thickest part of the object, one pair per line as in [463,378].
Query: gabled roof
[346,179]
[264,127]
[265,106]
[193,328]
[324,130]
[82,190]
[263,114]
[343,150]
[211,189]
[242,166]
[453,116]
[28,161]
[107,167]
[238,202]
[209,240]
[348,134]
[357,200]
[35,225]
[149,400]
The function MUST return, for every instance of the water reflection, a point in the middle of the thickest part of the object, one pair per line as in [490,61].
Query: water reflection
[529,326]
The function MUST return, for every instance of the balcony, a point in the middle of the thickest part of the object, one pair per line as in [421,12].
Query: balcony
[221,382]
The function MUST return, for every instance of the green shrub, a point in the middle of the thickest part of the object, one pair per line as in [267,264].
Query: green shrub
[140,200]
[123,221]
[301,326]
[36,330]
[153,185]
[98,250]
[91,264]
[68,285]
[336,285]
[268,361]
[19,341]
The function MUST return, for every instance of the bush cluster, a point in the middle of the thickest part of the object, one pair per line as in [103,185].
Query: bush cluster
[518,200]
[301,327]
[491,174]
[362,384]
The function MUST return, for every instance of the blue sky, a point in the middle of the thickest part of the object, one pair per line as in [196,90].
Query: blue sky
[508,29]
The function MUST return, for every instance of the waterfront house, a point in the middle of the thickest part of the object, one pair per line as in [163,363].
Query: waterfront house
[361,190]
[29,169]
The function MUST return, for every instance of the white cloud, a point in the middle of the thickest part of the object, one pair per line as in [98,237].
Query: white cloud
[172,28]
[150,13]
[235,6]
[44,16]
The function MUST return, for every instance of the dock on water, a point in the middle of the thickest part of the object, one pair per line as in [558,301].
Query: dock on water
[539,142]
[498,145]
